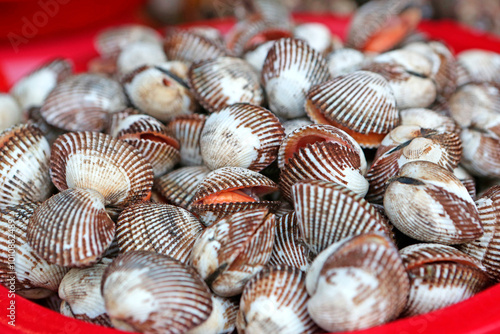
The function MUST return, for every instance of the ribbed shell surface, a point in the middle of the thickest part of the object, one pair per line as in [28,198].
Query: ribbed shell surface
[187,130]
[97,161]
[71,229]
[275,301]
[479,66]
[190,47]
[82,102]
[290,70]
[111,41]
[220,82]
[24,166]
[34,277]
[163,295]
[160,228]
[327,213]
[222,320]
[428,119]
[241,135]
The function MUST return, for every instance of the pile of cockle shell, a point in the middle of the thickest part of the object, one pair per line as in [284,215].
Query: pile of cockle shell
[198,183]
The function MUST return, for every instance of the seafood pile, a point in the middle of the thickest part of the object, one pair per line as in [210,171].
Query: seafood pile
[272,180]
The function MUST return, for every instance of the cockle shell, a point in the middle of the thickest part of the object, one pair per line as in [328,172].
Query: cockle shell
[275,301]
[230,252]
[220,82]
[410,143]
[187,130]
[428,119]
[357,283]
[317,35]
[327,213]
[479,66]
[291,68]
[111,41]
[341,159]
[206,31]
[222,320]
[440,275]
[467,180]
[241,135]
[360,103]
[256,57]
[160,228]
[231,189]
[80,291]
[345,61]
[289,249]
[191,47]
[99,162]
[10,111]
[158,92]
[82,102]
[294,124]
[485,249]
[428,203]
[33,89]
[21,269]
[139,53]
[24,160]
[72,228]
[153,293]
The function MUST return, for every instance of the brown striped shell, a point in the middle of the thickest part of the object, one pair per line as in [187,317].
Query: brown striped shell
[275,301]
[357,283]
[223,81]
[327,213]
[72,228]
[159,228]
[82,102]
[485,249]
[228,253]
[21,269]
[339,157]
[156,144]
[290,70]
[80,291]
[162,294]
[231,189]
[24,161]
[187,130]
[222,320]
[191,47]
[408,143]
[115,120]
[424,192]
[158,92]
[32,89]
[111,41]
[467,180]
[360,103]
[179,186]
[428,119]
[241,135]
[479,66]
[99,162]
[289,249]
[440,276]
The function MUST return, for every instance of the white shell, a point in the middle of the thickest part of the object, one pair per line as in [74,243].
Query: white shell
[140,53]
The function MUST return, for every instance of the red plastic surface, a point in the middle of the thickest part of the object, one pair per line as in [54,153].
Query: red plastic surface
[480,314]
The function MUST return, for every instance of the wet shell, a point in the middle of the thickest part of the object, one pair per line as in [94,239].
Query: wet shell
[10,111]
[360,103]
[235,248]
[485,249]
[291,68]
[72,228]
[99,162]
[111,41]
[327,213]
[428,119]
[410,143]
[153,140]
[357,283]
[222,320]
[428,203]
[187,130]
[191,47]
[479,66]
[289,249]
[440,276]
[158,92]
[241,135]
[82,102]
[34,88]
[21,269]
[139,53]
[378,26]
[275,301]
[317,35]
[80,291]
[467,180]
[345,61]
[159,228]
[163,295]
[179,186]
[220,82]
[24,159]
[231,189]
